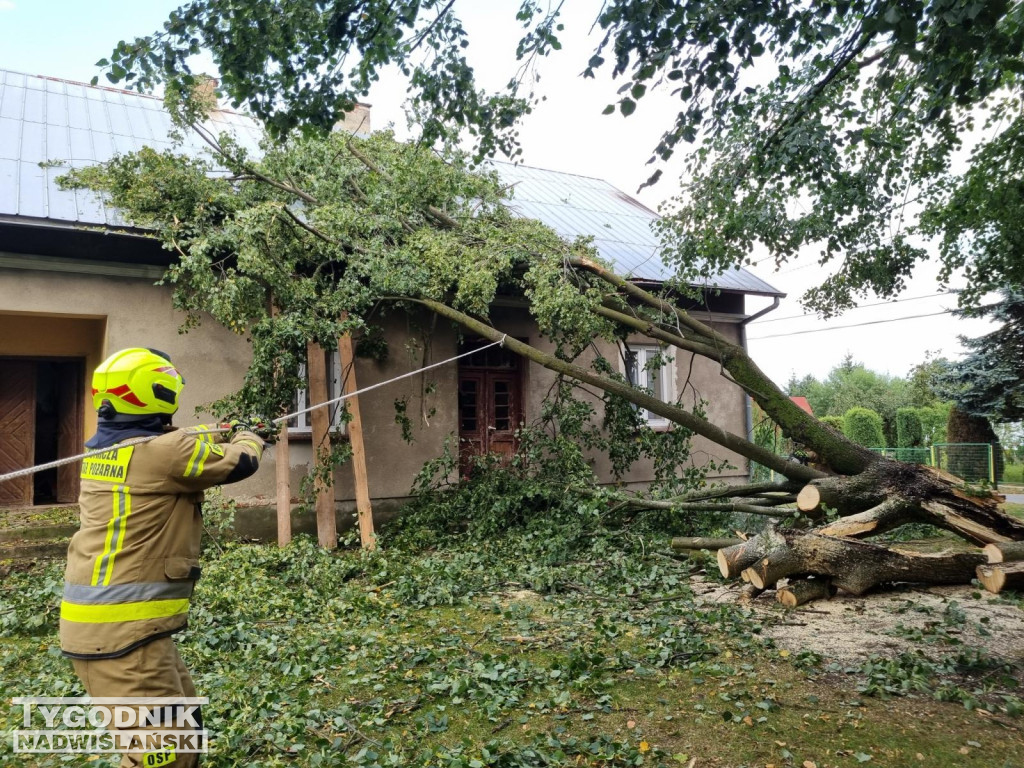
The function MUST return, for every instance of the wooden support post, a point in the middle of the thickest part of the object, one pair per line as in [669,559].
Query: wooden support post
[355,437]
[282,467]
[284,488]
[316,368]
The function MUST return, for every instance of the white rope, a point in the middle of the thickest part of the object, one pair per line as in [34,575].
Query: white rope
[209,431]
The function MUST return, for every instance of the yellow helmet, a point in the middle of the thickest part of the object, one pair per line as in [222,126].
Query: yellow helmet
[136,382]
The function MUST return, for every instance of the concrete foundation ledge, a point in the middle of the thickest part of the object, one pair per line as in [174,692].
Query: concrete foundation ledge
[259,521]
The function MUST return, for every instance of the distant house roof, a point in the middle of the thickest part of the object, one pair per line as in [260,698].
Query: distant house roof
[802,402]
[48,120]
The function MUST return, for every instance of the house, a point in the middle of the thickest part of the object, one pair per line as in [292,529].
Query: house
[77,282]
[802,403]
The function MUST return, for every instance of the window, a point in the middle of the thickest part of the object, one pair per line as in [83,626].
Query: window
[302,425]
[650,367]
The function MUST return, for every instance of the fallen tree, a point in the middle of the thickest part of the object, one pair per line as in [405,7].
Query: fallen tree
[321,234]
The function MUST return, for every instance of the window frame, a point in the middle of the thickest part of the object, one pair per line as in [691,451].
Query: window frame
[301,426]
[631,356]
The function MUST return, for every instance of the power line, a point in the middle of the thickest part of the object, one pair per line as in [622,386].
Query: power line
[861,306]
[852,325]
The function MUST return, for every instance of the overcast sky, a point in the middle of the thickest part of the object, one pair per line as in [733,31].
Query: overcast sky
[63,38]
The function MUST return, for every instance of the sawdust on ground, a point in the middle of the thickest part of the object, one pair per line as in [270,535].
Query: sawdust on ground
[848,628]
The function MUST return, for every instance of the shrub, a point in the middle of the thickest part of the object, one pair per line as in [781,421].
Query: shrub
[864,426]
[909,429]
[836,422]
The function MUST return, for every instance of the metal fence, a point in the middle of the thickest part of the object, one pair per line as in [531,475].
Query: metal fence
[973,462]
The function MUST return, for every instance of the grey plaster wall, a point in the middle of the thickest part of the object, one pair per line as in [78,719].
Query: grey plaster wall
[213,361]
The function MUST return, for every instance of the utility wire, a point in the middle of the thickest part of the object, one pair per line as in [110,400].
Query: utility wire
[860,306]
[214,430]
[852,325]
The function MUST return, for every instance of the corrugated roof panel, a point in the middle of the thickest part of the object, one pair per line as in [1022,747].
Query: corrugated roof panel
[8,186]
[78,113]
[32,190]
[60,204]
[10,138]
[139,125]
[620,225]
[103,147]
[12,102]
[120,125]
[98,121]
[58,143]
[56,109]
[88,206]
[34,101]
[33,144]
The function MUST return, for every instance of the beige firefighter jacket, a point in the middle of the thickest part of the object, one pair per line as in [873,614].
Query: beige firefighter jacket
[135,559]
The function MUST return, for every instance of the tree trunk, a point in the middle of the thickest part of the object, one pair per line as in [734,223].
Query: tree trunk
[800,591]
[999,576]
[855,566]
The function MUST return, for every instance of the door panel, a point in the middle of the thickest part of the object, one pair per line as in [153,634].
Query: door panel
[472,419]
[69,435]
[502,412]
[490,411]
[17,428]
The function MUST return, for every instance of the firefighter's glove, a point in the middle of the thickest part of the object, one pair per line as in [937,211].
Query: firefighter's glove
[264,430]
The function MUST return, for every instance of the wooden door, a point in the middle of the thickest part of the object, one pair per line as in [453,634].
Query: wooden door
[490,411]
[69,429]
[17,428]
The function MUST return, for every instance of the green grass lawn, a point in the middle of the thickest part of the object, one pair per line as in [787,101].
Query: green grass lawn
[542,646]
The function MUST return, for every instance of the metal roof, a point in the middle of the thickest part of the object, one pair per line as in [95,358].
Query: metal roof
[577,206]
[48,125]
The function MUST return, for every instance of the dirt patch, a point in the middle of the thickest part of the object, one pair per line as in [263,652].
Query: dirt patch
[900,619]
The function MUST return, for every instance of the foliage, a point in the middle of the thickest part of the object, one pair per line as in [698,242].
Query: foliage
[850,385]
[909,431]
[989,381]
[358,228]
[833,421]
[862,117]
[301,63]
[551,475]
[533,645]
[864,426]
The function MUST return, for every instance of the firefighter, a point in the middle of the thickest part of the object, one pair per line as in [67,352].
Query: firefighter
[135,559]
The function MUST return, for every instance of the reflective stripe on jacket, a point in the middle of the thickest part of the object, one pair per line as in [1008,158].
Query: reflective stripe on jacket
[135,559]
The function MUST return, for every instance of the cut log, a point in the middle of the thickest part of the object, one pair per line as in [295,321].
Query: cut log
[999,576]
[702,542]
[732,561]
[809,498]
[855,566]
[801,591]
[1005,552]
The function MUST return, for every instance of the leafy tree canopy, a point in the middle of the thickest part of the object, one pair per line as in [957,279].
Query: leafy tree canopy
[840,125]
[989,381]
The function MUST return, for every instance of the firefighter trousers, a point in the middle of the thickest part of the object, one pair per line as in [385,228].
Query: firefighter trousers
[151,670]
